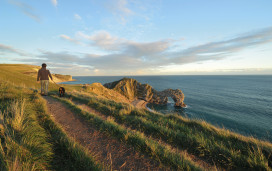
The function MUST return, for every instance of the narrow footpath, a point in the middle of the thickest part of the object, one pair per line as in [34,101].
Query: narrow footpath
[200,162]
[105,149]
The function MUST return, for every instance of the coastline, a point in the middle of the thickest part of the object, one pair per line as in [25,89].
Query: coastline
[207,100]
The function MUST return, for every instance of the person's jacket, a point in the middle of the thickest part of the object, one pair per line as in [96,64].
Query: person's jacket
[44,74]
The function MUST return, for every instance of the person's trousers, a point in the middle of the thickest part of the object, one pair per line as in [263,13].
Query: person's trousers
[44,86]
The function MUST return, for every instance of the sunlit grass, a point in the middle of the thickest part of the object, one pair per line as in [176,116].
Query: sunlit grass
[164,154]
[25,76]
[24,144]
[215,145]
[30,140]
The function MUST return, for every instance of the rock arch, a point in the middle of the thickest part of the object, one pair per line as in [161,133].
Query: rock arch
[176,95]
[132,89]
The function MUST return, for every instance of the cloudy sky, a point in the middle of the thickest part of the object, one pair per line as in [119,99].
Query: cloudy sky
[138,37]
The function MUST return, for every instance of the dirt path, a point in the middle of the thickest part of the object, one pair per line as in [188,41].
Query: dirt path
[200,162]
[105,149]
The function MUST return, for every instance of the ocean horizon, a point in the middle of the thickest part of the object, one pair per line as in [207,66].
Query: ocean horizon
[240,103]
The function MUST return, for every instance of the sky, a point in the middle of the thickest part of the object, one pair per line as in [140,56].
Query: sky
[138,37]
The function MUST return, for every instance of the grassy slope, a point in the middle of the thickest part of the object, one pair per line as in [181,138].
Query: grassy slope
[216,146]
[30,140]
[222,147]
[17,75]
[23,141]
[162,153]
[26,75]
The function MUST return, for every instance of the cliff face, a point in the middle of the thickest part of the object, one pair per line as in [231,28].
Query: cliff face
[62,78]
[133,90]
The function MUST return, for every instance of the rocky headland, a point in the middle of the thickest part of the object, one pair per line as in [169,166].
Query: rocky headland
[135,91]
[62,78]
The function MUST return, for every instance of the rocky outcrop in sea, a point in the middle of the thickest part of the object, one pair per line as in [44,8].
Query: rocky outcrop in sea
[132,89]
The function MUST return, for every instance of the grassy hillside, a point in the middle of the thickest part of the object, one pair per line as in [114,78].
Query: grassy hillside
[31,140]
[26,75]
[19,75]
[217,146]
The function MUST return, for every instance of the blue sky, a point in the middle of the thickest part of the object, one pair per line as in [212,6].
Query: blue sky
[138,37]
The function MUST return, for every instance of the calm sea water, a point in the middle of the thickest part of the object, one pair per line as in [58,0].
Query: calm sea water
[240,103]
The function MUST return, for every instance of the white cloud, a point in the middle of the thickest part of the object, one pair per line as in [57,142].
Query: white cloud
[26,9]
[221,49]
[65,37]
[77,17]
[9,49]
[54,2]
[148,55]
[120,8]
[103,40]
[126,56]
[148,48]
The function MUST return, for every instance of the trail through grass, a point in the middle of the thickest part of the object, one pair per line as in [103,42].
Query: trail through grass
[164,154]
[30,140]
[215,145]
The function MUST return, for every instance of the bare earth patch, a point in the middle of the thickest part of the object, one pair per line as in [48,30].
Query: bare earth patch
[104,148]
[139,103]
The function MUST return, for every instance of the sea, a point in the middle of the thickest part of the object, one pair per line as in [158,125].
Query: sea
[242,104]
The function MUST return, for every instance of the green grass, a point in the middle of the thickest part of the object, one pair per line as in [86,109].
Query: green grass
[24,144]
[219,146]
[163,154]
[30,140]
[14,74]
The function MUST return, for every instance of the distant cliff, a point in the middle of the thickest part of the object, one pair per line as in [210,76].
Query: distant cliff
[62,78]
[134,90]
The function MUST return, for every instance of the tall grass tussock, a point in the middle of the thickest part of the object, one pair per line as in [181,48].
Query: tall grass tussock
[24,144]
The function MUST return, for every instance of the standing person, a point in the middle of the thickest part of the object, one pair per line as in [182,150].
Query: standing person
[43,75]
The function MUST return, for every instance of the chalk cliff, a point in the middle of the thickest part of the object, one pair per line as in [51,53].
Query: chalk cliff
[62,78]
